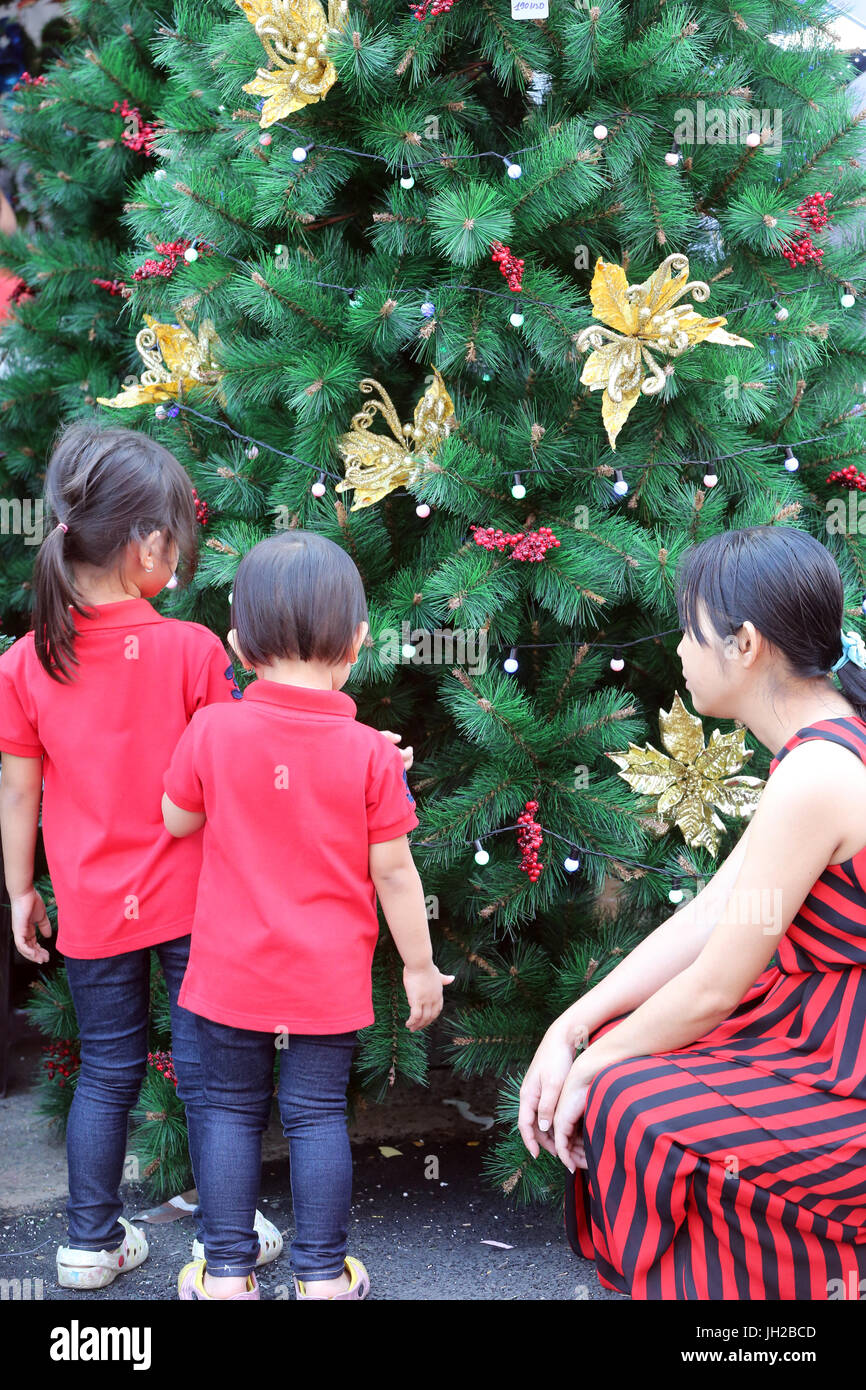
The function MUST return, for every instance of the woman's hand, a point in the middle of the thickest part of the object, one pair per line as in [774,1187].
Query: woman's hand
[405,753]
[568,1119]
[28,913]
[542,1085]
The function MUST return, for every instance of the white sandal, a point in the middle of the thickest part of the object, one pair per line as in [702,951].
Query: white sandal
[270,1241]
[93,1269]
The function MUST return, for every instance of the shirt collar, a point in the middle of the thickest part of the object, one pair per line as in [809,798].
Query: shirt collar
[301,697]
[126,612]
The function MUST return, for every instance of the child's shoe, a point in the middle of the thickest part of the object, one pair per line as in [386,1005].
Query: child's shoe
[359,1285]
[270,1241]
[190,1284]
[93,1269]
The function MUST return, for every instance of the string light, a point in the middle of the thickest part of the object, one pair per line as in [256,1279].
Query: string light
[318,488]
[678,875]
[299,154]
[517,488]
[422,509]
[710,480]
[513,171]
[571,863]
[510,664]
[190,254]
[516,319]
[781,311]
[673,155]
[620,486]
[481,855]
[600,131]
[848,300]
[617,661]
[791,463]
[407,181]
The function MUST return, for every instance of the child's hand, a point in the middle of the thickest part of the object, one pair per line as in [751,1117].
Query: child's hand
[28,913]
[405,753]
[424,991]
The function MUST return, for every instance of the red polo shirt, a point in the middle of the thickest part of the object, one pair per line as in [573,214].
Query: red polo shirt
[294,790]
[105,739]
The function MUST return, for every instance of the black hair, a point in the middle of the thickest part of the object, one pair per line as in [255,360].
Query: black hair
[107,486]
[785,582]
[297,595]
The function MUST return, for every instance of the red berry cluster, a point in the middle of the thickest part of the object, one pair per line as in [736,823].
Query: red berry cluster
[62,1060]
[163,1062]
[529,840]
[172,249]
[27,81]
[142,139]
[849,477]
[531,545]
[202,511]
[435,7]
[113,286]
[511,266]
[798,250]
[814,211]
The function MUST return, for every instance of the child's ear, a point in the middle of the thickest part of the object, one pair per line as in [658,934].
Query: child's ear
[233,643]
[357,641]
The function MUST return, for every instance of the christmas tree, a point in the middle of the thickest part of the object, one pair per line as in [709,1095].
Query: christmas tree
[515,307]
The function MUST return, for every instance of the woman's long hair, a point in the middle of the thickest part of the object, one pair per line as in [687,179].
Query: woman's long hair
[785,582]
[108,487]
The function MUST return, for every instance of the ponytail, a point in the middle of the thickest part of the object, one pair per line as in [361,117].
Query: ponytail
[104,488]
[853,682]
[54,594]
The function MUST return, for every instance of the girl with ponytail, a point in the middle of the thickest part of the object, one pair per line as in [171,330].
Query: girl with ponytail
[708,1097]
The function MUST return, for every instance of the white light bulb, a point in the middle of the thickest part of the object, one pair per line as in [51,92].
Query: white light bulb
[570,865]
[781,313]
[407,649]
[792,464]
[847,301]
[318,488]
[422,509]
[676,895]
[518,490]
[514,171]
[481,855]
[710,480]
[752,140]
[516,320]
[510,662]
[159,175]
[616,663]
[299,154]
[620,486]
[407,181]
[672,158]
[600,132]
[190,254]
[159,412]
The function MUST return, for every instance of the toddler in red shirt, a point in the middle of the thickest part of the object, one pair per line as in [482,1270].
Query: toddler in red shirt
[305,814]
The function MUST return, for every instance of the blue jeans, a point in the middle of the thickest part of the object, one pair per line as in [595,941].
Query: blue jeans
[112,1001]
[238,1084]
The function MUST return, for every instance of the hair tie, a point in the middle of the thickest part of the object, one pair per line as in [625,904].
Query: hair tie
[853,649]
[63,526]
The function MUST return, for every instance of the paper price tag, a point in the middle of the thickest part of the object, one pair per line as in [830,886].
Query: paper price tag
[529,9]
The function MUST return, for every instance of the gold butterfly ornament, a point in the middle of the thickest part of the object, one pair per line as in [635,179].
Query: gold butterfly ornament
[294,34]
[175,358]
[639,320]
[375,465]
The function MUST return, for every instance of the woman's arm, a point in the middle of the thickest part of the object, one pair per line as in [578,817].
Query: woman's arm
[804,812]
[658,958]
[667,951]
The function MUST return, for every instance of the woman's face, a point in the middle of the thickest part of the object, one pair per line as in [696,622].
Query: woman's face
[711,679]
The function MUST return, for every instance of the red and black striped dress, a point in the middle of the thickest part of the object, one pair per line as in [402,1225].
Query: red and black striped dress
[735,1167]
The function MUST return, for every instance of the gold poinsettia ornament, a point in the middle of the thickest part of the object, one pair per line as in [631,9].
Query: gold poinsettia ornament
[690,780]
[175,359]
[642,319]
[375,465]
[294,34]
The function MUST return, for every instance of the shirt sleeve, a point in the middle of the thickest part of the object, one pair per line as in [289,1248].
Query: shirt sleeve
[215,682]
[181,783]
[390,804]
[17,732]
